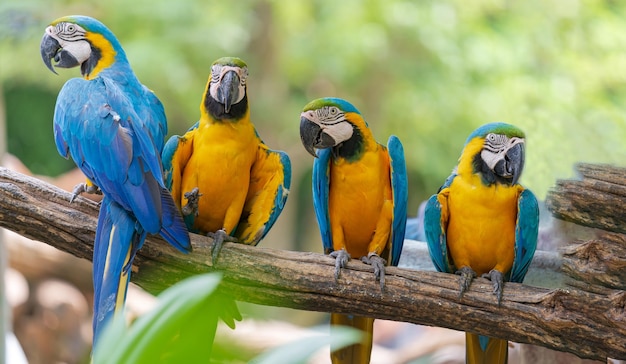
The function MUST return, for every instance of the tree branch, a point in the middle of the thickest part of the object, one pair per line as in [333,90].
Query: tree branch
[586,324]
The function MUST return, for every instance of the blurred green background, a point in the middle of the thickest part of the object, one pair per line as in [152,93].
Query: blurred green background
[428,71]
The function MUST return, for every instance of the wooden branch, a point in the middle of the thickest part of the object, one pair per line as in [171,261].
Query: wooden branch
[598,200]
[586,324]
[600,261]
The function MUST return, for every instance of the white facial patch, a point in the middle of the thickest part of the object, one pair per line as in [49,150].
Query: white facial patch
[81,50]
[332,121]
[495,148]
[217,74]
[71,38]
[339,132]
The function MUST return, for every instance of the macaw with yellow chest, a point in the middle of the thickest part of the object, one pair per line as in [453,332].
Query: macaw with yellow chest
[226,181]
[360,197]
[482,222]
[113,127]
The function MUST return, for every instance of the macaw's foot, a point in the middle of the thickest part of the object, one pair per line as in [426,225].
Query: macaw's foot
[497,278]
[191,207]
[341,259]
[219,237]
[379,267]
[467,274]
[84,187]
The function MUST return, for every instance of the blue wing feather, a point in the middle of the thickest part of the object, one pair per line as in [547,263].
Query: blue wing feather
[96,122]
[435,230]
[399,186]
[526,230]
[320,196]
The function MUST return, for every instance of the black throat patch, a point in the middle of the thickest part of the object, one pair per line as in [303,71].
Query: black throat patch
[352,148]
[91,62]
[216,109]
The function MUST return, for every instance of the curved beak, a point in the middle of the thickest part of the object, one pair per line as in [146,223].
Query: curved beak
[312,136]
[51,49]
[512,164]
[228,90]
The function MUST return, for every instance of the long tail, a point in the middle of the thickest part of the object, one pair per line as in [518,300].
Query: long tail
[117,237]
[485,350]
[358,353]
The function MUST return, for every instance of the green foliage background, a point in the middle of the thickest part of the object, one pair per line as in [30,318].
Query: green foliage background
[429,71]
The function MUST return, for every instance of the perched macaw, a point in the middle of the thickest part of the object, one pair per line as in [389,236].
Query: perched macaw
[360,197]
[226,181]
[113,127]
[482,222]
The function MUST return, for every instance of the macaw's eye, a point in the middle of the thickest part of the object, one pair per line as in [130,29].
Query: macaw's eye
[333,111]
[71,28]
[491,137]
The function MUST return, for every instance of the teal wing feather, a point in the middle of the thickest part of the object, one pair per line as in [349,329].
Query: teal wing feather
[321,187]
[399,186]
[435,229]
[167,157]
[282,191]
[526,231]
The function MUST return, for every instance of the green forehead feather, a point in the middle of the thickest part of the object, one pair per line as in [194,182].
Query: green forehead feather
[497,128]
[231,61]
[343,105]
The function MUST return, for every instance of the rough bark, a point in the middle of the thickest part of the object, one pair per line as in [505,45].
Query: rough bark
[597,200]
[564,319]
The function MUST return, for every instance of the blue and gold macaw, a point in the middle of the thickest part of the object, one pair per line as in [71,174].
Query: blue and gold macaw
[113,127]
[482,222]
[226,181]
[360,197]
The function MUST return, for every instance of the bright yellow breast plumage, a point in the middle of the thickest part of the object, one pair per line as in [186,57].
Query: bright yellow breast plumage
[220,167]
[358,191]
[481,226]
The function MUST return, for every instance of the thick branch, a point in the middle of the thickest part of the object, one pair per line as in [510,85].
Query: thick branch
[586,324]
[598,200]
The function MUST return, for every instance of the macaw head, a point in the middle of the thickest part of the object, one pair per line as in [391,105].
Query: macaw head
[497,153]
[80,41]
[332,123]
[225,95]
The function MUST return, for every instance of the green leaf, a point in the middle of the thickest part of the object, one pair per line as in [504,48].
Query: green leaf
[301,350]
[180,329]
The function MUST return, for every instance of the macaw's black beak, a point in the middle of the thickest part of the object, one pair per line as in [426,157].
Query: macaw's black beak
[312,136]
[512,164]
[228,91]
[51,49]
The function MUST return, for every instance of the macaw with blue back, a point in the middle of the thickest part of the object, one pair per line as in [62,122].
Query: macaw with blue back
[482,222]
[227,182]
[113,127]
[360,199]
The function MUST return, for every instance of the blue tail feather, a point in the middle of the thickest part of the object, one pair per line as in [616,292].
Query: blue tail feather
[116,240]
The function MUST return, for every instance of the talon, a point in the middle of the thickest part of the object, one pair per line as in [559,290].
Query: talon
[497,278]
[219,237]
[341,259]
[379,264]
[84,188]
[191,207]
[467,274]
